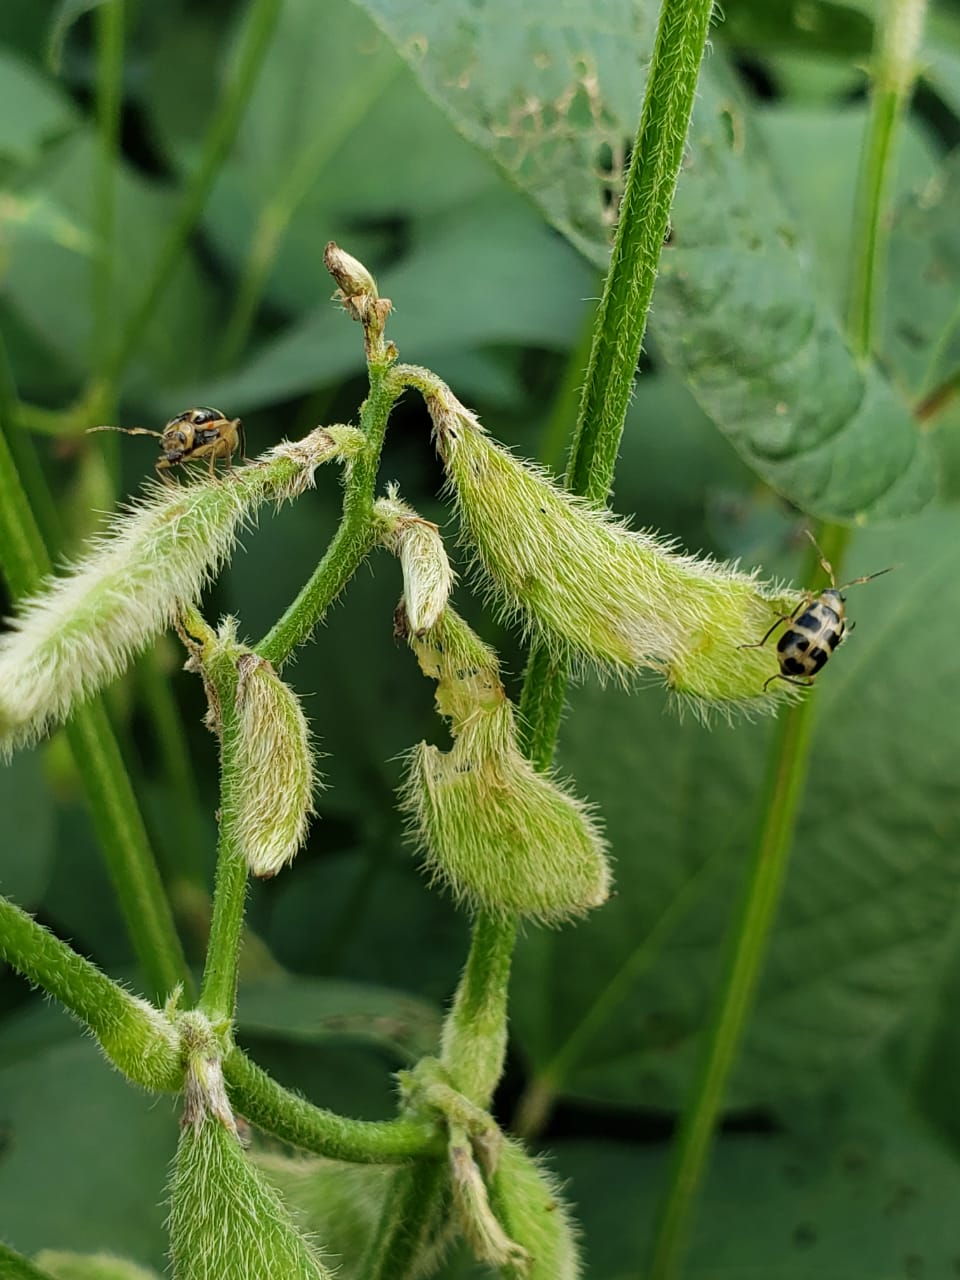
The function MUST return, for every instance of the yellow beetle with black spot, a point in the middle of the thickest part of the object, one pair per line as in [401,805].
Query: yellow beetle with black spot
[811,638]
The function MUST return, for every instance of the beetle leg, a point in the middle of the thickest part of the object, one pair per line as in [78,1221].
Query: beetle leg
[784,617]
[800,683]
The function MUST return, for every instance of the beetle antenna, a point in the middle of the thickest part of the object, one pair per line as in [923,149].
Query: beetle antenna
[825,564]
[855,582]
[129,431]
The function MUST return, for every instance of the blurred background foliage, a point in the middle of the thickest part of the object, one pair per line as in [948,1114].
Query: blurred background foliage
[406,133]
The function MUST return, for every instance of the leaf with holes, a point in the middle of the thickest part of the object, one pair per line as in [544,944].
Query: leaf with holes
[555,98]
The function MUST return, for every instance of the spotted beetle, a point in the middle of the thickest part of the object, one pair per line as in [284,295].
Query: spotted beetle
[811,638]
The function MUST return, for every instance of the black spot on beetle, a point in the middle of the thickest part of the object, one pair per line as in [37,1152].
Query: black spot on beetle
[808,621]
[794,667]
[834,638]
[818,657]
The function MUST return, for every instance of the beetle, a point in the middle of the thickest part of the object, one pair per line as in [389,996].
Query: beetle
[811,638]
[196,433]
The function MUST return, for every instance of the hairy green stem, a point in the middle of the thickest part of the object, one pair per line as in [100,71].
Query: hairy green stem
[218,992]
[475,1030]
[287,1116]
[137,1038]
[622,314]
[354,539]
[260,23]
[110,796]
[898,41]
[110,31]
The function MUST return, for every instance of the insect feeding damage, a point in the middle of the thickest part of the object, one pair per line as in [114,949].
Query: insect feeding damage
[810,639]
[196,433]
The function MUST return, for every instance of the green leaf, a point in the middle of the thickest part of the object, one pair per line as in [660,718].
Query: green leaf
[735,309]
[737,316]
[612,1010]
[26,851]
[923,308]
[369,908]
[33,111]
[318,1011]
[857,1188]
[83,1158]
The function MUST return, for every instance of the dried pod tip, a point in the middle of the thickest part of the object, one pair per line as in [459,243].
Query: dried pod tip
[352,277]
[357,290]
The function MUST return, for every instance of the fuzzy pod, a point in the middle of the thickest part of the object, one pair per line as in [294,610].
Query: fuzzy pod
[226,1222]
[272,806]
[525,1196]
[500,835]
[428,578]
[62,1265]
[584,583]
[82,630]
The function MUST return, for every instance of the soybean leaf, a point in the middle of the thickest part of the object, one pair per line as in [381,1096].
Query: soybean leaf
[737,316]
[355,914]
[83,1158]
[857,1187]
[318,1011]
[865,919]
[736,309]
[923,310]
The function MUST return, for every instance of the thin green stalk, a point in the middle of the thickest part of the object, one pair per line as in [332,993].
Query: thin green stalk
[475,1030]
[354,539]
[622,315]
[110,796]
[110,31]
[218,992]
[898,41]
[287,1116]
[130,863]
[534,1106]
[748,938]
[217,143]
[137,1038]
[166,723]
